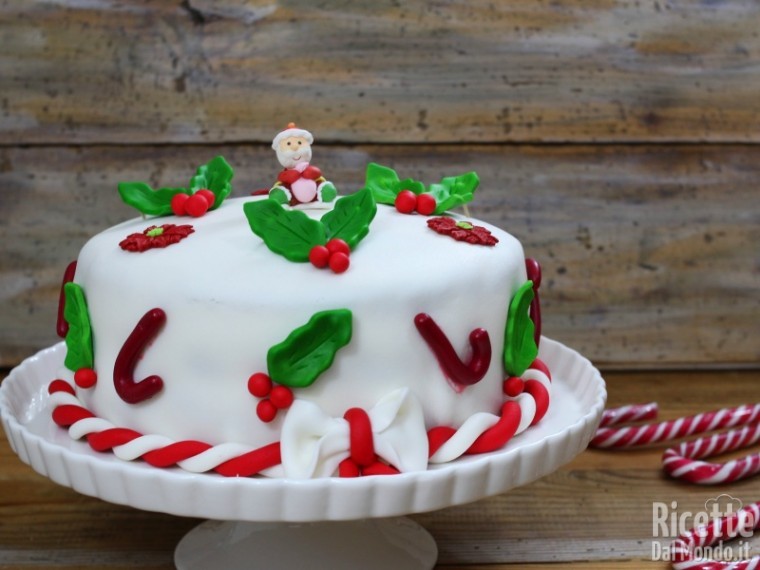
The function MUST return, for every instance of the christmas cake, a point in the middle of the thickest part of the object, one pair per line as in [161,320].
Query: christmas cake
[300,333]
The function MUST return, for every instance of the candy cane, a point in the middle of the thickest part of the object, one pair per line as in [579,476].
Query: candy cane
[682,549]
[682,462]
[629,413]
[630,436]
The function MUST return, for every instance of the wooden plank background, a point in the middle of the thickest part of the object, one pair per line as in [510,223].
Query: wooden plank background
[616,139]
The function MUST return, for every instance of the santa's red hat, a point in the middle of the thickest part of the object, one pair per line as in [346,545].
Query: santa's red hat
[292,131]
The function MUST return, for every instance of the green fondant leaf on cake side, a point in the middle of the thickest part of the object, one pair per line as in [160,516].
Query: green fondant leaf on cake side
[382,182]
[350,218]
[454,191]
[310,349]
[79,352]
[289,233]
[216,175]
[150,202]
[520,349]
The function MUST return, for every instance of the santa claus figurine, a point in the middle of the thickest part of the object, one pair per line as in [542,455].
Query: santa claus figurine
[299,182]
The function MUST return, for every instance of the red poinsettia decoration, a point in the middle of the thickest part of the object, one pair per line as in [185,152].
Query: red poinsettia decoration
[156,236]
[462,231]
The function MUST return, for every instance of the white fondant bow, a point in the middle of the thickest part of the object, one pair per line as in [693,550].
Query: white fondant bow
[313,443]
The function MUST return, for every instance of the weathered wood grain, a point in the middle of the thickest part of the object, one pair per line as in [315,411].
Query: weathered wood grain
[214,71]
[585,515]
[650,254]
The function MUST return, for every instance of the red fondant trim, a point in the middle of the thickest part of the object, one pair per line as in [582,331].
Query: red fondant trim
[499,434]
[540,396]
[463,374]
[124,368]
[243,466]
[534,274]
[175,452]
[379,468]
[349,468]
[252,462]
[66,415]
[109,438]
[360,435]
[437,436]
[61,326]
[61,386]
[542,367]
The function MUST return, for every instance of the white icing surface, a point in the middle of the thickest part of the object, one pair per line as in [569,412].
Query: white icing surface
[228,299]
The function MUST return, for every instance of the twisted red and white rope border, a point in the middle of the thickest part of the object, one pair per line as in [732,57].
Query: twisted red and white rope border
[237,460]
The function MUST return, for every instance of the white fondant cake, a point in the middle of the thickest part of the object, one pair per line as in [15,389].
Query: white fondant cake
[228,299]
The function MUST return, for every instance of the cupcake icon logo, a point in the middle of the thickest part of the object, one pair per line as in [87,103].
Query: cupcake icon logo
[722,506]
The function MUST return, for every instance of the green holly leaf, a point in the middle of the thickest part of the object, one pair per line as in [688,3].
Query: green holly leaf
[310,349]
[216,175]
[454,191]
[520,348]
[150,202]
[382,182]
[79,352]
[289,233]
[349,220]
[408,184]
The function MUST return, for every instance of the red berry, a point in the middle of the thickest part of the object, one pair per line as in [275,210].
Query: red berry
[260,385]
[513,386]
[178,204]
[85,377]
[426,204]
[266,411]
[281,397]
[406,201]
[208,195]
[338,245]
[319,256]
[196,206]
[339,262]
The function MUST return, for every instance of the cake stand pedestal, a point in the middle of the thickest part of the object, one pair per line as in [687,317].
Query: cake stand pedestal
[371,544]
[307,519]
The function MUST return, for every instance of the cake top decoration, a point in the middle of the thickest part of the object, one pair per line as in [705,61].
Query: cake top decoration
[299,182]
[409,195]
[207,190]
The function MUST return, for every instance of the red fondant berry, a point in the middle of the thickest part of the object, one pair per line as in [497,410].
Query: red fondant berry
[178,204]
[426,204]
[339,262]
[196,205]
[266,411]
[260,385]
[208,195]
[338,245]
[85,377]
[319,256]
[513,386]
[281,397]
[406,201]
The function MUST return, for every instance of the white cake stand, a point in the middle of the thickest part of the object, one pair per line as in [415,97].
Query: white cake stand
[322,523]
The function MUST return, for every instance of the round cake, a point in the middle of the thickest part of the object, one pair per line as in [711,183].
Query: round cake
[343,336]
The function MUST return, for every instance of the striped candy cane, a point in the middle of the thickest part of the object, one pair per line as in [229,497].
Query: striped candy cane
[682,550]
[630,436]
[682,461]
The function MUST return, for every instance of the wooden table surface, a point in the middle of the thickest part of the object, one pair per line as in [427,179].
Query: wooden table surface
[595,512]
